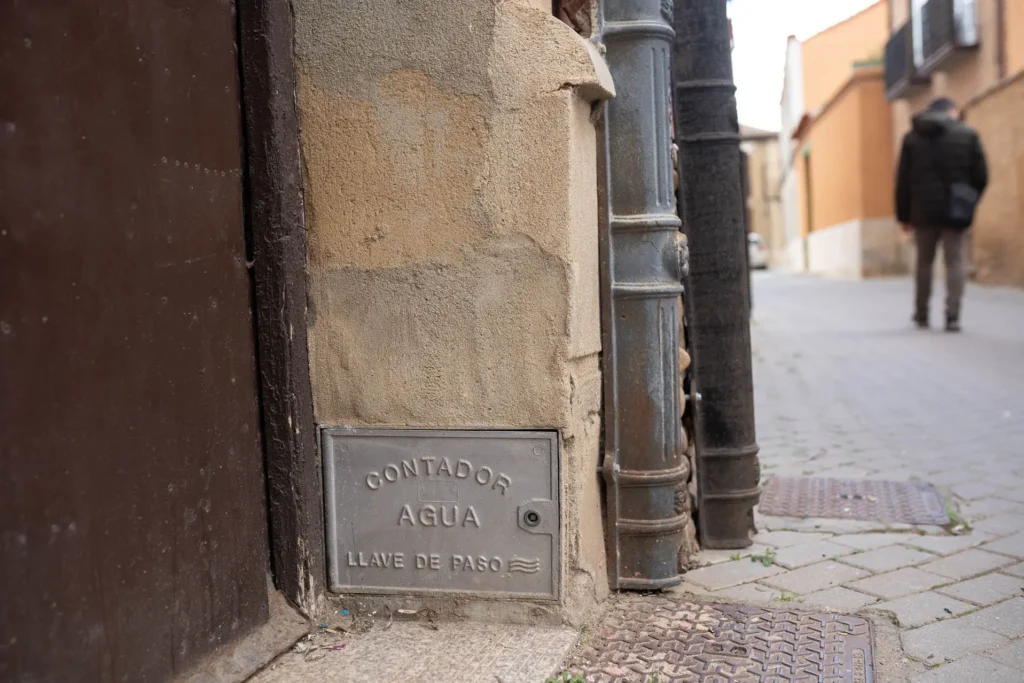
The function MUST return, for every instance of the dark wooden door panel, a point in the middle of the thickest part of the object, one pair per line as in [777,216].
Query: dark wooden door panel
[132,522]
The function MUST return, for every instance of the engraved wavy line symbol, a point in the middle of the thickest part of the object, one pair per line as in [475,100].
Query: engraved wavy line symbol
[523,565]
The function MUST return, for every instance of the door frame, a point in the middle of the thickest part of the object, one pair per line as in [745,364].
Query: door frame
[274,220]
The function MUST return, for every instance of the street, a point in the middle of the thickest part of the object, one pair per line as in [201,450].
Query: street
[847,388]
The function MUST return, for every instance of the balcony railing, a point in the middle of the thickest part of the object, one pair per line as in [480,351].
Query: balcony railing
[947,26]
[900,73]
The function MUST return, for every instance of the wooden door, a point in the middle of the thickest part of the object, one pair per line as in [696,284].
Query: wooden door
[132,519]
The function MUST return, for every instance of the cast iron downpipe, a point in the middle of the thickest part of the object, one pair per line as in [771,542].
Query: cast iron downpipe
[644,463]
[717,300]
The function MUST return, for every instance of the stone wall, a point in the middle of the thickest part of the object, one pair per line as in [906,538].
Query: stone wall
[450,186]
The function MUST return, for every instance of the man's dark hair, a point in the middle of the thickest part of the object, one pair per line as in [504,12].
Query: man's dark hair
[942,104]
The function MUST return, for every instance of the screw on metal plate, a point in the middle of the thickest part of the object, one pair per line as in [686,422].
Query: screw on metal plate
[538,516]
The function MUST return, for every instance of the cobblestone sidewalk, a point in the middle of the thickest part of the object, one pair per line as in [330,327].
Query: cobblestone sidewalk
[845,388]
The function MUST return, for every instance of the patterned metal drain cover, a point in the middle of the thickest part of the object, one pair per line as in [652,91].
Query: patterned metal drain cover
[905,502]
[663,638]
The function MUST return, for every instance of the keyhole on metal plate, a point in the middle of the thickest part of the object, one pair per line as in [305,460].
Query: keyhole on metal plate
[532,518]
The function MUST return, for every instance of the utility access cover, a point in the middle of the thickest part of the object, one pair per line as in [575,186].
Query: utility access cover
[905,502]
[465,512]
[649,638]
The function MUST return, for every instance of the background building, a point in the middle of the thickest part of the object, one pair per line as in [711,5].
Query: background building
[764,205]
[836,181]
[973,52]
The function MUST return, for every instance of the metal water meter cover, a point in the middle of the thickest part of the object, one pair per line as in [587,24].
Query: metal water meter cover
[450,512]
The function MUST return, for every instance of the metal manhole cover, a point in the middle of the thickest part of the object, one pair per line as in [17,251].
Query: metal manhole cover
[668,639]
[906,502]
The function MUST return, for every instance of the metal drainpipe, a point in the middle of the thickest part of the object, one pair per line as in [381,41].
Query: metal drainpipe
[717,303]
[642,262]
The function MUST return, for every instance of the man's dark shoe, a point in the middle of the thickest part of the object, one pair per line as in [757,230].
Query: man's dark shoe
[921,321]
[952,325]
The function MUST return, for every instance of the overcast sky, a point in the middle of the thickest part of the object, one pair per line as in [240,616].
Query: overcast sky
[760,29]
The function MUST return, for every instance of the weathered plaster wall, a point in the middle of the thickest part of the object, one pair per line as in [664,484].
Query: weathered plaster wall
[998,232]
[1014,36]
[851,178]
[450,177]
[828,56]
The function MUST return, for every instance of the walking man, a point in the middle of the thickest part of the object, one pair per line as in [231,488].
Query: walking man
[942,173]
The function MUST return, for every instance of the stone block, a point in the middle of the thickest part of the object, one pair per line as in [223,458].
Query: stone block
[839,599]
[1011,655]
[710,557]
[888,558]
[975,489]
[970,669]
[948,640]
[987,507]
[947,545]
[783,539]
[1015,570]
[966,564]
[795,556]
[922,608]
[999,525]
[816,577]
[899,583]
[1006,618]
[1011,545]
[985,590]
[872,541]
[748,592]
[730,574]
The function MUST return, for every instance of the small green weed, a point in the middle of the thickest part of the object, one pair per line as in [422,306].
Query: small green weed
[957,524]
[566,677]
[787,597]
[735,556]
[767,558]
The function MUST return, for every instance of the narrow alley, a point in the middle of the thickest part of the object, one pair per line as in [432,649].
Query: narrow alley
[847,388]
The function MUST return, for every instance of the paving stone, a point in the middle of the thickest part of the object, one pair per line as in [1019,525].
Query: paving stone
[1006,618]
[947,478]
[947,545]
[795,556]
[815,577]
[987,507]
[889,558]
[873,541]
[985,590]
[948,640]
[709,557]
[828,526]
[839,599]
[975,489]
[966,564]
[730,574]
[406,651]
[1011,545]
[972,669]
[1011,655]
[898,583]
[1017,496]
[1015,570]
[922,608]
[999,525]
[748,592]
[783,539]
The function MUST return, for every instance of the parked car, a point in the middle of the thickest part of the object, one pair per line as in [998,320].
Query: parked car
[758,251]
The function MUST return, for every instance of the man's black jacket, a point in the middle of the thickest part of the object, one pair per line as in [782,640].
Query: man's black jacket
[937,152]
